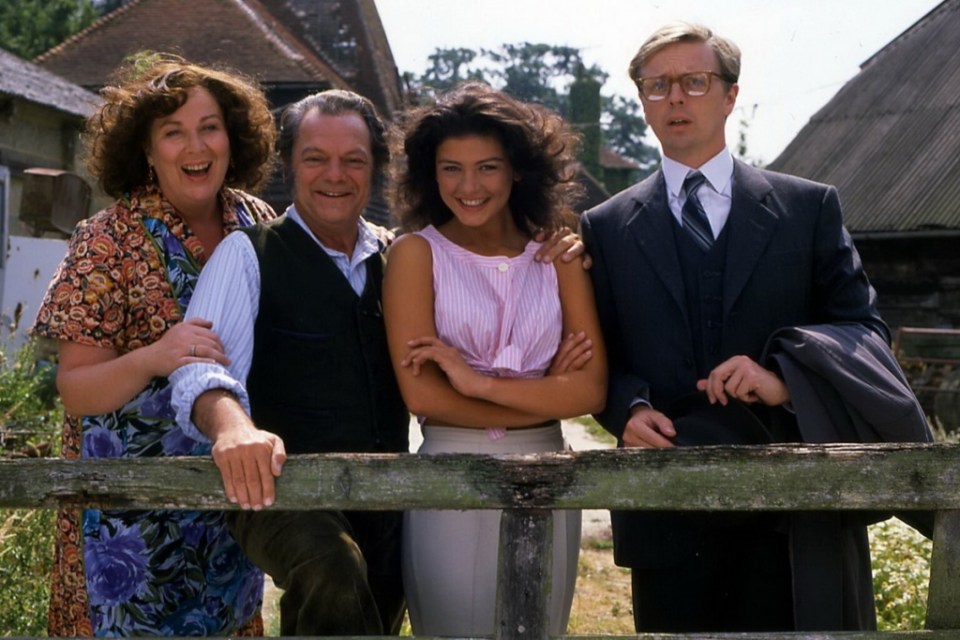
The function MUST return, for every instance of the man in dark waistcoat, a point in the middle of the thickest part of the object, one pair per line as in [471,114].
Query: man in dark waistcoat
[695,268]
[296,304]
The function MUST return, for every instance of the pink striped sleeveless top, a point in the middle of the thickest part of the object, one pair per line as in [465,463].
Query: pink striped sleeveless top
[503,314]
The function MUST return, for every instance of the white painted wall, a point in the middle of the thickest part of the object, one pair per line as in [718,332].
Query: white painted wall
[28,265]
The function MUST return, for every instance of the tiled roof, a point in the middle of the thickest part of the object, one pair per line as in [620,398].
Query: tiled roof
[26,80]
[890,139]
[593,192]
[610,159]
[349,36]
[381,58]
[240,34]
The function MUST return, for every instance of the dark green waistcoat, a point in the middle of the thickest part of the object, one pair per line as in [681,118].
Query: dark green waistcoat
[321,376]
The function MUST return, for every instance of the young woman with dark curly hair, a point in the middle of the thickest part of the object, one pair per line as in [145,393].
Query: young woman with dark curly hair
[474,325]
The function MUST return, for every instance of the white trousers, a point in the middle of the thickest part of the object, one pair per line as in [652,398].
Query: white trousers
[450,557]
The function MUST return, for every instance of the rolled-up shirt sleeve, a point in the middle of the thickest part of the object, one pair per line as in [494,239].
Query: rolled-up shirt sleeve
[228,295]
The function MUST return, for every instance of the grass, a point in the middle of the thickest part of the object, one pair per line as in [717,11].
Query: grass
[29,426]
[601,602]
[26,561]
[596,432]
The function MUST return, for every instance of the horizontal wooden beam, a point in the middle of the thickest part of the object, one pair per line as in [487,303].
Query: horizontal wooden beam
[768,635]
[777,478]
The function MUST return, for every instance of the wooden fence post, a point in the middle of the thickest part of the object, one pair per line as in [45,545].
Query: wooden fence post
[524,575]
[943,598]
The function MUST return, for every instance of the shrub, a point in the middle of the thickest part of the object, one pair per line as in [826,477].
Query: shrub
[901,573]
[901,565]
[30,413]
[30,419]
[26,561]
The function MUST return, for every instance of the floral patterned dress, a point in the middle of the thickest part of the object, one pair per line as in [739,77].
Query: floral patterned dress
[127,278]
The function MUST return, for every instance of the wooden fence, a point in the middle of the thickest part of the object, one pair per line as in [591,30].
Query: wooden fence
[775,478]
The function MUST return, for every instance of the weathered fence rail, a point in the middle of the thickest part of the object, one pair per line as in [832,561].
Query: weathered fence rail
[885,478]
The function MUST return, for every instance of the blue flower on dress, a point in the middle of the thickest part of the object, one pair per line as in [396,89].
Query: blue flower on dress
[192,531]
[99,442]
[116,566]
[224,568]
[176,443]
[157,404]
[91,521]
[249,596]
[193,619]
[99,623]
[172,245]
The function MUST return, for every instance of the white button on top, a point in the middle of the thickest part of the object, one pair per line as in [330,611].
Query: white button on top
[502,267]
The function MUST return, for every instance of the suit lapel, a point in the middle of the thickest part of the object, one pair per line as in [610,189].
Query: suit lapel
[750,227]
[651,226]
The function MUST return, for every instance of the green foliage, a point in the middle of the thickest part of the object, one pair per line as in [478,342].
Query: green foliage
[532,72]
[538,73]
[942,434]
[624,129]
[448,68]
[585,107]
[596,432]
[29,426]
[30,27]
[30,416]
[26,561]
[901,573]
[541,73]
[742,149]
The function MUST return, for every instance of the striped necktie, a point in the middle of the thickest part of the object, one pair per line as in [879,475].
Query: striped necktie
[694,217]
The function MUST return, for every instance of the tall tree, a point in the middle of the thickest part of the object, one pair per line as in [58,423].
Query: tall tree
[537,72]
[448,67]
[586,105]
[624,129]
[30,27]
[547,74]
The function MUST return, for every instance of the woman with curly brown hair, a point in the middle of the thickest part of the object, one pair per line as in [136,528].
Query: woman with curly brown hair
[174,143]
[474,325]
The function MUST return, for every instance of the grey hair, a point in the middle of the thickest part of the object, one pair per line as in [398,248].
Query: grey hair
[334,102]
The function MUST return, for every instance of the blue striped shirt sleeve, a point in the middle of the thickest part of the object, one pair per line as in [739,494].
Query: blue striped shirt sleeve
[228,295]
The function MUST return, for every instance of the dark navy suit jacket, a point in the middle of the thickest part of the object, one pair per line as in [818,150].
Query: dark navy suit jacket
[789,263]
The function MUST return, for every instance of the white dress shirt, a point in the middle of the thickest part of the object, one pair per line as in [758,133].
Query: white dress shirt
[715,194]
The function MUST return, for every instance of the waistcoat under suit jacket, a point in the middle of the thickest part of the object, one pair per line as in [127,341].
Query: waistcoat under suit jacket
[787,262]
[321,377]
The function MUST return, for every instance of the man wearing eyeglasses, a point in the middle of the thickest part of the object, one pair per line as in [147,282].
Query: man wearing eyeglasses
[696,270]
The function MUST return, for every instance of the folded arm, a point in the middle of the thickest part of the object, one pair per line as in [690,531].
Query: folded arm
[435,381]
